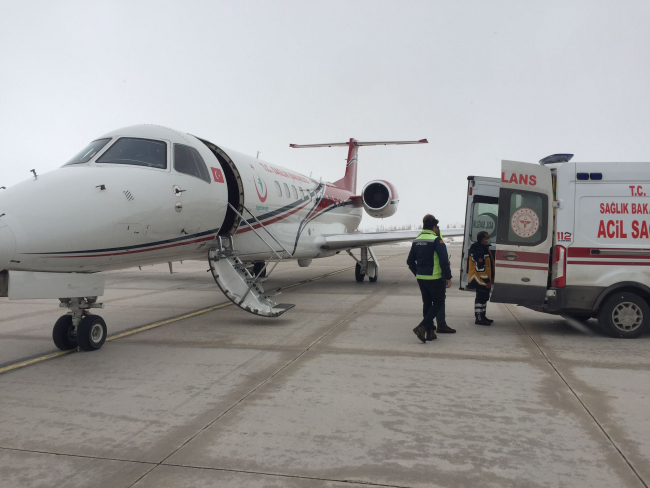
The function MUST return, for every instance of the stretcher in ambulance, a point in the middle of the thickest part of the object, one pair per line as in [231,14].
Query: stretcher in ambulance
[568,238]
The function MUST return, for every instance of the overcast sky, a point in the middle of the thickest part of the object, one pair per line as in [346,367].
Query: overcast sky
[482,80]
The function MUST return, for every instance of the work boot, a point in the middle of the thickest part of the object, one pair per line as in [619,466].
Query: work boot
[419,331]
[486,319]
[431,335]
[445,329]
[480,321]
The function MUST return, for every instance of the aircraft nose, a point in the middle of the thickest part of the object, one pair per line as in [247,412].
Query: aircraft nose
[7,245]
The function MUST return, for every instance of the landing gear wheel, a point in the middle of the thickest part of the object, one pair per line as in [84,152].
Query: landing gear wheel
[373,280]
[64,334]
[624,315]
[358,275]
[257,267]
[91,333]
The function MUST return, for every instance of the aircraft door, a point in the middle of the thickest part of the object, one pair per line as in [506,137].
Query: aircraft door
[524,234]
[481,214]
[201,191]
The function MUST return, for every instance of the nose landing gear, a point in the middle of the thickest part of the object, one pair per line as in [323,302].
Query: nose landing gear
[78,328]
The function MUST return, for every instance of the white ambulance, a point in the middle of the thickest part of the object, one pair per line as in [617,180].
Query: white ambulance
[569,238]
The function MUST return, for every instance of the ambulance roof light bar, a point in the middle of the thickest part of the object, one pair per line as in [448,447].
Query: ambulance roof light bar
[556,158]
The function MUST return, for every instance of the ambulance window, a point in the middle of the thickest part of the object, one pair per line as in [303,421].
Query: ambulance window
[88,152]
[286,190]
[188,161]
[137,152]
[277,187]
[524,218]
[295,193]
[484,216]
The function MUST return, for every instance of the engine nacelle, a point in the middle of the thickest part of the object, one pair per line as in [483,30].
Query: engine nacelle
[380,199]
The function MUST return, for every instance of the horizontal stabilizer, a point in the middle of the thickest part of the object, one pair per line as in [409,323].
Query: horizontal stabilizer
[356,143]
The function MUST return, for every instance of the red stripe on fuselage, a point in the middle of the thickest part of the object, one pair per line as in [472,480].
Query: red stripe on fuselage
[138,250]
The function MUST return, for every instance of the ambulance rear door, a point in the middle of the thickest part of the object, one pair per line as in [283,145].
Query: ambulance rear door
[524,234]
[480,214]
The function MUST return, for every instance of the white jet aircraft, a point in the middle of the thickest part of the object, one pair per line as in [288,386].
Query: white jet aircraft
[148,194]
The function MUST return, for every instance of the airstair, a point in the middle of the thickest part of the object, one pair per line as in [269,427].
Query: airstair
[239,282]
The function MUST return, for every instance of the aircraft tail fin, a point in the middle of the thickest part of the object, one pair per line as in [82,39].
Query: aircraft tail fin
[349,181]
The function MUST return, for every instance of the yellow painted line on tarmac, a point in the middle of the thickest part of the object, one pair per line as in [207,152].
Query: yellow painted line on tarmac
[29,362]
[127,333]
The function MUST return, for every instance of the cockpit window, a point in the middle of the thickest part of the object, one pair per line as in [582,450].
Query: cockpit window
[138,152]
[88,152]
[187,160]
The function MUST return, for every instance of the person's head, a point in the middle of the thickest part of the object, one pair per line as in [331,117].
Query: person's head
[429,222]
[483,238]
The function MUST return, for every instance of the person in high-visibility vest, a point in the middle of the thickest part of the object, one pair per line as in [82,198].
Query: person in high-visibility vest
[429,262]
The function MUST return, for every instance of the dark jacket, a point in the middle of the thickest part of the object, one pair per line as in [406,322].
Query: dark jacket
[422,257]
[480,271]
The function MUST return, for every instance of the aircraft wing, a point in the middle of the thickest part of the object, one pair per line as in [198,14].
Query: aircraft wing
[350,241]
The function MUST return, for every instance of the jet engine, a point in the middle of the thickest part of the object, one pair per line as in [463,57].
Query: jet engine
[380,199]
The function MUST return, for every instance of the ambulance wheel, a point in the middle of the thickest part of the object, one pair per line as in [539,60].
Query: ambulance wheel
[257,267]
[373,280]
[63,334]
[625,315]
[358,275]
[91,333]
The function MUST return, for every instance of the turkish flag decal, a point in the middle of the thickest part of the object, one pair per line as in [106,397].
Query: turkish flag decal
[218,175]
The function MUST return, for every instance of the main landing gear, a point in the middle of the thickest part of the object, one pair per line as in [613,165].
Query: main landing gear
[366,266]
[78,328]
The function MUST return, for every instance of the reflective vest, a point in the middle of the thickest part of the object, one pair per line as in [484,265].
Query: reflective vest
[429,235]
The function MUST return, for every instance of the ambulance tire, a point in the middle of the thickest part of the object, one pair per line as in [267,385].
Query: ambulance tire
[624,315]
[358,275]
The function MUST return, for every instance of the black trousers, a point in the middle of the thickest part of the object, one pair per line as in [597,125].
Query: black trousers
[480,302]
[433,298]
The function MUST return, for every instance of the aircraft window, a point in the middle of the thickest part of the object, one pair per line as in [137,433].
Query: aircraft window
[187,160]
[302,193]
[295,193]
[137,152]
[88,152]
[286,190]
[277,187]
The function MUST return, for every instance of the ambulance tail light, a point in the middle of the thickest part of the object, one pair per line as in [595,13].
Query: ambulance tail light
[558,269]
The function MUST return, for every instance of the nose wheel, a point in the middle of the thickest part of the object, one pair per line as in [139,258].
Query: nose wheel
[78,328]
[91,333]
[64,333]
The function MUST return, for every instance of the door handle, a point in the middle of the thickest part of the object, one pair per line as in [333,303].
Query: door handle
[511,256]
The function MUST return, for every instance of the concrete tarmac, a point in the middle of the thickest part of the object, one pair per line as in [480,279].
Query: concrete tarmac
[337,392]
